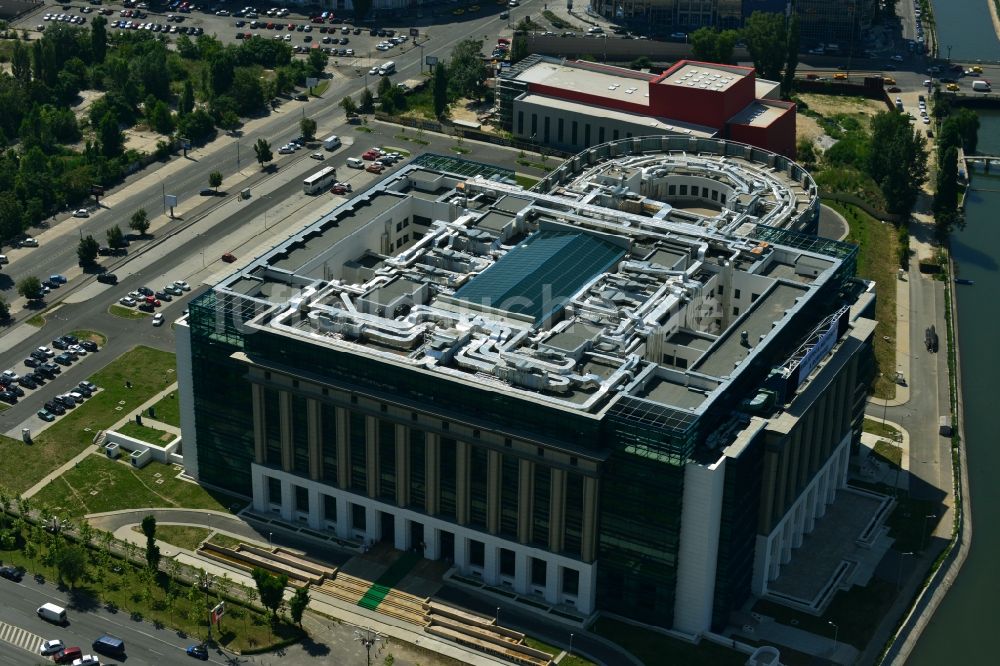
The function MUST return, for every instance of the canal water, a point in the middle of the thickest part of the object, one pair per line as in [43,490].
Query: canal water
[964,629]
[965,26]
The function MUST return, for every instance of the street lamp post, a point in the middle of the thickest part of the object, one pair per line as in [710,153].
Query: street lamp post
[899,569]
[498,616]
[571,644]
[269,534]
[836,630]
[368,638]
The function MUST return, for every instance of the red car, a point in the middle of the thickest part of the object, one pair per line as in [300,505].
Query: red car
[229,257]
[370,155]
[152,300]
[338,189]
[67,655]
[374,168]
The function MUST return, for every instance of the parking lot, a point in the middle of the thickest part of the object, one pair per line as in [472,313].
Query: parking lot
[338,37]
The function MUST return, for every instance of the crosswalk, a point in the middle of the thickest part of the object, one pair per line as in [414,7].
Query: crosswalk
[19,638]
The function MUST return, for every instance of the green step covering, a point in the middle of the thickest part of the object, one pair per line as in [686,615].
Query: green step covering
[389,579]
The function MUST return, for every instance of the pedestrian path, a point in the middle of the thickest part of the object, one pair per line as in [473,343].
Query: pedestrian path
[19,638]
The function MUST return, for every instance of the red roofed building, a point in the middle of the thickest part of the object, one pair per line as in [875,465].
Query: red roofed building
[572,105]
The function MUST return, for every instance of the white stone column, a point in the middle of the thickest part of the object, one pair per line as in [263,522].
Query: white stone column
[462,553]
[432,543]
[287,501]
[316,518]
[259,486]
[343,517]
[586,596]
[553,582]
[522,572]
[401,538]
[491,564]
[373,526]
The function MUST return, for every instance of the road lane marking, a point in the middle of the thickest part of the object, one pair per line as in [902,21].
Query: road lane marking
[20,638]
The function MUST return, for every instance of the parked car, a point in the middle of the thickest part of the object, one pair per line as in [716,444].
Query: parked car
[182,285]
[64,359]
[158,319]
[173,290]
[68,655]
[32,362]
[46,416]
[12,573]
[127,302]
[89,345]
[107,278]
[81,212]
[163,296]
[375,168]
[55,407]
[51,646]
[90,386]
[229,257]
[197,651]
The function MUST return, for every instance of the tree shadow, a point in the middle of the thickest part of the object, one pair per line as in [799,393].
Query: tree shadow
[82,599]
[314,649]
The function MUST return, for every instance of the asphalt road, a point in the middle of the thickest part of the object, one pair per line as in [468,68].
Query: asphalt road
[144,643]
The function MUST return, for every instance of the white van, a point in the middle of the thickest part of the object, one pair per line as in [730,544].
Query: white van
[355,163]
[331,142]
[387,68]
[52,613]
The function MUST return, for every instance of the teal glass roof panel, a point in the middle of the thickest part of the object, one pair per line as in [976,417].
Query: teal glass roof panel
[538,276]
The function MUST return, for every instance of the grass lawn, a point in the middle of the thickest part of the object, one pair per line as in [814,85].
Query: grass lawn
[99,338]
[878,260]
[182,536]
[527,182]
[225,541]
[568,660]
[149,370]
[890,453]
[168,410]
[654,648]
[98,484]
[393,149]
[320,88]
[880,429]
[145,433]
[38,321]
[126,313]
[856,612]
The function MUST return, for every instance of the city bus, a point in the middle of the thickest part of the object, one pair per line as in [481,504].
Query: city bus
[320,180]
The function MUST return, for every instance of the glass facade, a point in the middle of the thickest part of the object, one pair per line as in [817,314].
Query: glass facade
[418,495]
[478,480]
[387,461]
[573,531]
[509,493]
[446,485]
[541,502]
[328,441]
[300,435]
[359,453]
[272,428]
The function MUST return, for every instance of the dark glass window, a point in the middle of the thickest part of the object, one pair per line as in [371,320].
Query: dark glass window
[447,478]
[272,427]
[417,470]
[520,122]
[358,521]
[509,486]
[359,457]
[301,499]
[574,514]
[540,519]
[545,134]
[573,133]
[300,435]
[387,460]
[571,581]
[330,508]
[477,553]
[273,490]
[328,442]
[507,562]
[559,131]
[477,486]
[538,571]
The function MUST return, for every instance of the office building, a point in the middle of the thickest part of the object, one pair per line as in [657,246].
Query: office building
[633,388]
[571,105]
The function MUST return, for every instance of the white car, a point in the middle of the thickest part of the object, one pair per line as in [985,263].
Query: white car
[11,375]
[158,319]
[182,285]
[29,242]
[373,71]
[45,350]
[81,212]
[127,302]
[285,150]
[78,350]
[87,660]
[51,646]
[318,156]
[926,121]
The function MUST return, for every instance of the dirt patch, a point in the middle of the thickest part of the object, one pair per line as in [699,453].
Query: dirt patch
[473,112]
[88,97]
[807,128]
[828,105]
[142,140]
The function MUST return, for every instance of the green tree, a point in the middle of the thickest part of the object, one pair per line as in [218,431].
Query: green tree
[642,62]
[791,54]
[110,136]
[262,149]
[4,316]
[898,161]
[946,191]
[308,128]
[963,123]
[367,101]
[466,71]
[711,45]
[196,126]
[316,62]
[764,33]
[297,605]
[71,564]
[271,589]
[518,48]
[221,71]
[384,86]
[139,222]
[186,102]
[159,119]
[86,251]
[149,529]
[21,64]
[214,180]
[440,89]
[116,238]
[11,219]
[98,38]
[30,288]
[349,106]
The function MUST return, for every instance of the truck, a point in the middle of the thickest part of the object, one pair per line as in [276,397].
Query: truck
[52,613]
[331,142]
[981,86]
